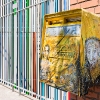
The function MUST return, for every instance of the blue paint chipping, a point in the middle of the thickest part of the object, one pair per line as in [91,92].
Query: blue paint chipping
[65,4]
[20,42]
[42,84]
[56,90]
[65,8]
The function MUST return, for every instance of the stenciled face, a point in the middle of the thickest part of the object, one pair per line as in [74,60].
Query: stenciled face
[92,54]
[92,51]
[45,62]
[46,51]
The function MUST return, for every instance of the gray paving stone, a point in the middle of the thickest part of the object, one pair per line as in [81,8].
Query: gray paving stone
[7,94]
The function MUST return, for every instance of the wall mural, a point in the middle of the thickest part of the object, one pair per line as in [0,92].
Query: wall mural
[60,57]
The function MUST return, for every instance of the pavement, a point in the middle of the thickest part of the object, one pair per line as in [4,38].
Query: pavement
[8,94]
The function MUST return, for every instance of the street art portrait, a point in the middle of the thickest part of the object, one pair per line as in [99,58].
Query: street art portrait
[92,57]
[60,57]
[45,62]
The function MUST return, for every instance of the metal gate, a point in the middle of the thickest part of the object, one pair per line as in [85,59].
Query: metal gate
[21,24]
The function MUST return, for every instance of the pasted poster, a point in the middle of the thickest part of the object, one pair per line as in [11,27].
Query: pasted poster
[60,61]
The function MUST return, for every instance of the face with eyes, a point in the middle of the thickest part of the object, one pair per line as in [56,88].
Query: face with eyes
[92,52]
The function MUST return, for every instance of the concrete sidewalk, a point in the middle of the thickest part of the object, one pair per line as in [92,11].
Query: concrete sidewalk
[7,94]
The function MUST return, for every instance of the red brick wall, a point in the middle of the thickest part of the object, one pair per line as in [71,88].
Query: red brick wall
[90,5]
[93,94]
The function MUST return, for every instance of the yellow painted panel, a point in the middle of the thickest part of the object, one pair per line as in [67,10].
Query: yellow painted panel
[70,50]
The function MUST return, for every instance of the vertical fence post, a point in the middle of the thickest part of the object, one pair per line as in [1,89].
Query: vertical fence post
[24,64]
[34,63]
[12,48]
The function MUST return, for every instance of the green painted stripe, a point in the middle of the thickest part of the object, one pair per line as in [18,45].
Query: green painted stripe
[27,93]
[27,43]
[14,1]
[15,85]
[15,10]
